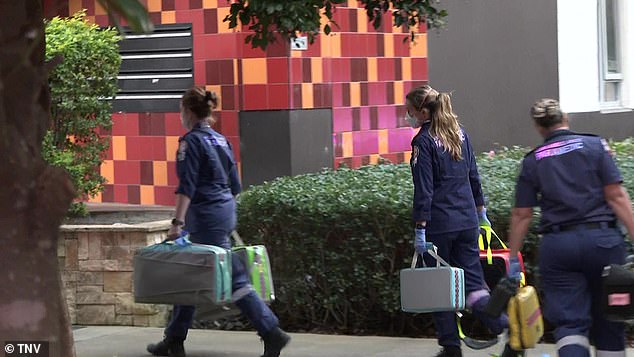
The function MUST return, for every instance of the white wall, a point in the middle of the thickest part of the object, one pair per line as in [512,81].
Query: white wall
[578,50]
[578,55]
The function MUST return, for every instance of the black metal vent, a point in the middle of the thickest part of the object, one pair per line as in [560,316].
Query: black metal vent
[155,70]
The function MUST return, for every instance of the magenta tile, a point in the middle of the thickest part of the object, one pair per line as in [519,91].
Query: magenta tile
[365,142]
[401,111]
[364,118]
[337,144]
[387,117]
[400,139]
[374,118]
[341,120]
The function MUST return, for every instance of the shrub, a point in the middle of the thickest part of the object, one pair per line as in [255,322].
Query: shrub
[338,239]
[80,86]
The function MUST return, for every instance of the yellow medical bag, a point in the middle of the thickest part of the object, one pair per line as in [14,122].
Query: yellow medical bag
[526,326]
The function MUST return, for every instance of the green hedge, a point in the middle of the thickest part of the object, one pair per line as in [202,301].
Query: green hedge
[338,239]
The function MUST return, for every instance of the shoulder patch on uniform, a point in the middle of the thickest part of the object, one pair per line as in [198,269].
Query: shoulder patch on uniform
[415,151]
[606,147]
[182,150]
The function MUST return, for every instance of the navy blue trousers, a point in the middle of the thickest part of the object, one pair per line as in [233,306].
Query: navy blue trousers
[251,306]
[460,249]
[570,265]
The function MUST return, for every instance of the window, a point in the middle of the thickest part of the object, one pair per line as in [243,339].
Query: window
[155,69]
[610,61]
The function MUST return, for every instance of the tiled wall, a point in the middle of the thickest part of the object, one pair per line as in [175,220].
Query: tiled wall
[361,73]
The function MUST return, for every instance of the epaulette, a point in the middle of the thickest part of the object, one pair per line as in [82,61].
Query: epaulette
[587,134]
[530,152]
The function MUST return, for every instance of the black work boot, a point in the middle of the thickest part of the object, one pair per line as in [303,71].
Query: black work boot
[274,341]
[169,346]
[509,352]
[450,351]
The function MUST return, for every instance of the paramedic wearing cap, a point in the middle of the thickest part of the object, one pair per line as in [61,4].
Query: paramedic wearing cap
[448,204]
[205,204]
[574,180]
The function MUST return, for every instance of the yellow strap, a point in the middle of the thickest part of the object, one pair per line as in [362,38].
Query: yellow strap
[488,231]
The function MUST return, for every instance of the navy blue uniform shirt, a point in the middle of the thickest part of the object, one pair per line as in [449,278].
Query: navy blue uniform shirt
[565,176]
[446,191]
[208,175]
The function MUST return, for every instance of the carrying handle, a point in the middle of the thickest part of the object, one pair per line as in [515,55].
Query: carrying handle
[434,254]
[488,231]
[236,237]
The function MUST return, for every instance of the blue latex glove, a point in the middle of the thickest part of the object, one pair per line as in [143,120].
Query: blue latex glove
[420,243]
[514,269]
[484,220]
[182,240]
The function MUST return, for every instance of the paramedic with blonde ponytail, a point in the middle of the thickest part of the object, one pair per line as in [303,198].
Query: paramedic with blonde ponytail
[448,206]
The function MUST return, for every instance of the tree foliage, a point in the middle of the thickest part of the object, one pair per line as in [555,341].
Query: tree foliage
[86,75]
[289,17]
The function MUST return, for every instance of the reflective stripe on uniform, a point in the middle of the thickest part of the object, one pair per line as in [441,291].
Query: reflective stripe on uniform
[475,296]
[242,292]
[573,340]
[610,353]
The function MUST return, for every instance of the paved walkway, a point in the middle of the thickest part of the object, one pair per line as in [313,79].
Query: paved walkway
[111,341]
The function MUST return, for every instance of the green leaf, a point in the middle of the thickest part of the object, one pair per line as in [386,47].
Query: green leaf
[327,29]
[131,10]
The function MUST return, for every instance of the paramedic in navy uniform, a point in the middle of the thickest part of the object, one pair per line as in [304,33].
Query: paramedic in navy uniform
[205,203]
[574,180]
[448,205]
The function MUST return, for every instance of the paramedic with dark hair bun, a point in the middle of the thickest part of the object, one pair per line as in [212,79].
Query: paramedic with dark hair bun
[574,180]
[448,205]
[205,205]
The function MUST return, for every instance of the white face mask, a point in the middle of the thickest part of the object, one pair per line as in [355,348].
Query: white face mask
[413,122]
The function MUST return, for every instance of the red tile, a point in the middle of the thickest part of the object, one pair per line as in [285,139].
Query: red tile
[235,146]
[127,172]
[296,96]
[133,148]
[326,67]
[134,194]
[210,17]
[228,120]
[195,17]
[337,95]
[147,173]
[277,70]
[168,5]
[223,45]
[173,125]
[200,73]
[108,153]
[357,162]
[278,95]
[365,96]
[155,17]
[279,48]
[120,193]
[345,94]
[125,125]
[372,44]
[342,18]
[89,5]
[172,178]
[380,45]
[247,50]
[341,69]
[314,49]
[181,5]
[398,69]
[296,72]
[254,97]
[164,195]
[107,195]
[377,93]
[229,97]
[322,95]
[212,71]
[195,4]
[389,93]
[401,47]
[226,71]
[337,144]
[102,20]
[386,69]
[419,69]
[306,70]
[359,69]
[158,148]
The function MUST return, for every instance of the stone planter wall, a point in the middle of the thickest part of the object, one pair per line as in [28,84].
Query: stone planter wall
[96,266]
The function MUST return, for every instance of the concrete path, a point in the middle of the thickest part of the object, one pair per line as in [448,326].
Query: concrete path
[112,341]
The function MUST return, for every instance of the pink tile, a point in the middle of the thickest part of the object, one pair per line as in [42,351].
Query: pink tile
[341,119]
[337,95]
[341,70]
[377,93]
[365,142]
[386,69]
[364,117]
[387,117]
[223,46]
[400,139]
[401,48]
[419,69]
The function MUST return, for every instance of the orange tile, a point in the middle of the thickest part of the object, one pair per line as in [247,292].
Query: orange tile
[399,93]
[419,49]
[235,71]
[168,17]
[317,70]
[160,173]
[74,6]
[97,198]
[326,45]
[355,94]
[406,66]
[346,144]
[296,53]
[388,45]
[373,72]
[352,3]
[383,141]
[118,148]
[223,27]
[154,5]
[90,19]
[335,45]
[254,71]
[147,195]
[99,10]
[107,170]
[362,21]
[407,156]
[307,96]
[171,146]
[210,4]
[374,159]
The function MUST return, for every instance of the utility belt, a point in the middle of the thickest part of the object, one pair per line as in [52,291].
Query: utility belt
[579,226]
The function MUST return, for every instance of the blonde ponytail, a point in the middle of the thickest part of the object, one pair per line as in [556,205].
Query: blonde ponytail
[445,128]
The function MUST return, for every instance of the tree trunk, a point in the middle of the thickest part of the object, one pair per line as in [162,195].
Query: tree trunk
[34,197]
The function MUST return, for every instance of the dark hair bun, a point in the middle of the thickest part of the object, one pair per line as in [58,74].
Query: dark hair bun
[211,97]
